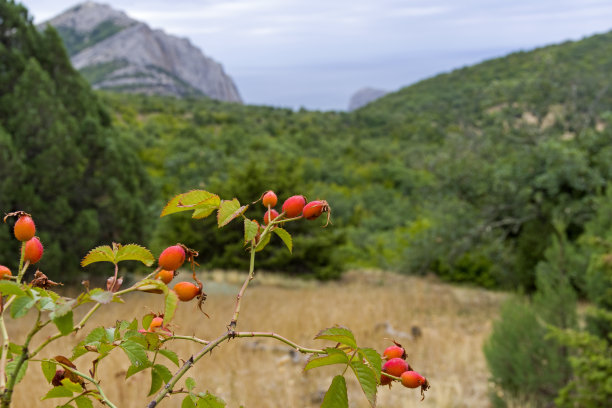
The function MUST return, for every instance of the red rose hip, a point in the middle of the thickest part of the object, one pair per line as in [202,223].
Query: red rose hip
[293,206]
[412,379]
[5,272]
[33,251]
[165,276]
[269,199]
[172,258]
[394,352]
[396,366]
[314,209]
[186,291]
[270,216]
[24,228]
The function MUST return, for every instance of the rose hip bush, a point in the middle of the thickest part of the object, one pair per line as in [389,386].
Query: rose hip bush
[142,341]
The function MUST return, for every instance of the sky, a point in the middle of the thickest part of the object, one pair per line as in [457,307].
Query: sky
[316,54]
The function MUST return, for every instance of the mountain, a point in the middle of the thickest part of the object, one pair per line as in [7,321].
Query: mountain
[364,96]
[116,52]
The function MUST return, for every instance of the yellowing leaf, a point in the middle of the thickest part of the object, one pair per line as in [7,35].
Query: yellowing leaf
[192,200]
[229,210]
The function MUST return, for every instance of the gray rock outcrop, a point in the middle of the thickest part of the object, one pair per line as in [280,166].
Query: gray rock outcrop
[365,96]
[116,52]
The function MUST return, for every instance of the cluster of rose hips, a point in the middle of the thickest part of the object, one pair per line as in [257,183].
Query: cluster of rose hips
[293,207]
[398,369]
[170,260]
[24,231]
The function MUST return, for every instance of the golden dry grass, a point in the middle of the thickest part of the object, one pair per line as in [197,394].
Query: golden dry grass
[259,373]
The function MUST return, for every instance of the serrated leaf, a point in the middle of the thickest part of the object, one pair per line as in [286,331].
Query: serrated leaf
[190,384]
[72,386]
[11,288]
[148,285]
[48,369]
[58,392]
[64,323]
[103,253]
[156,382]
[62,307]
[338,334]
[83,402]
[170,355]
[336,396]
[251,228]
[367,380]
[265,240]
[136,369]
[104,297]
[21,306]
[187,402]
[135,352]
[286,237]
[46,304]
[334,356]
[170,306]
[229,210]
[374,360]
[97,335]
[192,200]
[163,371]
[12,365]
[208,400]
[133,252]
[146,320]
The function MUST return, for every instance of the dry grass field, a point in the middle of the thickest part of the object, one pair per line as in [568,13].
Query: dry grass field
[260,373]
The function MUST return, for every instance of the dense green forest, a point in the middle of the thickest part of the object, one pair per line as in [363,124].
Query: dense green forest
[496,175]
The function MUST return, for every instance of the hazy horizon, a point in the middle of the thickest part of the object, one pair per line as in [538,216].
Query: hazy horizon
[317,54]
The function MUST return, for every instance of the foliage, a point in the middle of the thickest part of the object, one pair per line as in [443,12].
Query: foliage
[63,159]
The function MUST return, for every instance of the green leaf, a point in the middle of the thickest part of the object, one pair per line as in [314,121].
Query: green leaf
[156,382]
[336,396]
[133,252]
[58,392]
[338,334]
[251,228]
[367,379]
[83,402]
[136,369]
[135,352]
[104,297]
[72,386]
[208,400]
[170,306]
[102,253]
[229,210]
[285,236]
[64,323]
[12,365]
[265,240]
[21,306]
[190,384]
[374,360]
[170,355]
[146,320]
[187,402]
[334,356]
[11,288]
[163,371]
[198,200]
[48,369]
[97,335]
[46,304]
[62,307]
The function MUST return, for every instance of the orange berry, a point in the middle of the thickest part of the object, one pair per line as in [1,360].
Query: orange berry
[186,291]
[33,250]
[165,276]
[24,228]
[155,323]
[394,352]
[270,216]
[412,379]
[5,272]
[269,199]
[314,209]
[172,258]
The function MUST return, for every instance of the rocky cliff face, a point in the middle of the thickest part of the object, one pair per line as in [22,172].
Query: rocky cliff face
[116,52]
[365,96]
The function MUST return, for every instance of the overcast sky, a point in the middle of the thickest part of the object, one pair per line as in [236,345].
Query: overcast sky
[317,53]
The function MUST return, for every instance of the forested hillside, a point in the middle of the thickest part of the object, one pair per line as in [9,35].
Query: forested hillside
[468,174]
